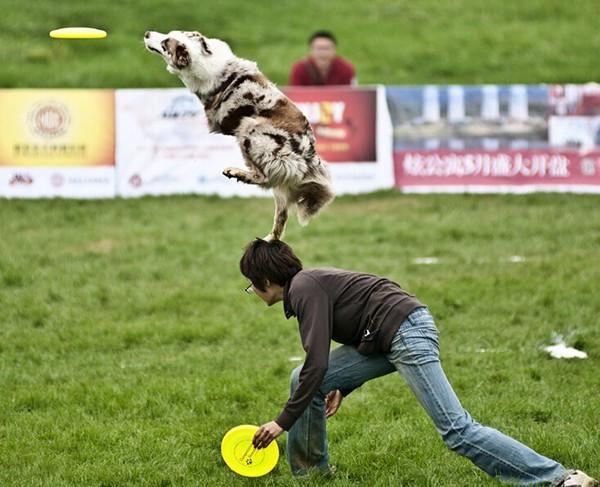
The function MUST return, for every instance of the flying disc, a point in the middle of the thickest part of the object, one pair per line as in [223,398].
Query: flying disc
[241,456]
[78,33]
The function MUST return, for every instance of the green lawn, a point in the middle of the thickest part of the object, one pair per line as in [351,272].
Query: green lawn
[390,41]
[128,347]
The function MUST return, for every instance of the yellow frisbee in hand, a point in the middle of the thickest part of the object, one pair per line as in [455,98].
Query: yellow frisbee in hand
[241,457]
[78,33]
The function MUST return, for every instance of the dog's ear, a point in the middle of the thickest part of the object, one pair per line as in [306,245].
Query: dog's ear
[205,49]
[181,56]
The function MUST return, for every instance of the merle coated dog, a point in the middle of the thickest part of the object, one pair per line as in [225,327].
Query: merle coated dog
[276,140]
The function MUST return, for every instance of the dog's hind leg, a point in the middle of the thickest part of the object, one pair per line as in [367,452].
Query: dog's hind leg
[281,215]
[313,196]
[248,177]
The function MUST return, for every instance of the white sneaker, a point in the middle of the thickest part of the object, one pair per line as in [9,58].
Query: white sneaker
[579,479]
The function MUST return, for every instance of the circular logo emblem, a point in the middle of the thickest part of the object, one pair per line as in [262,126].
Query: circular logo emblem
[135,180]
[57,180]
[49,119]
[588,167]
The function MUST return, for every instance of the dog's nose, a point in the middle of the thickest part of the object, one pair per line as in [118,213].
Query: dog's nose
[147,34]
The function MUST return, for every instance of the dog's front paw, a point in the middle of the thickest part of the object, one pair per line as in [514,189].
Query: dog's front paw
[230,172]
[237,174]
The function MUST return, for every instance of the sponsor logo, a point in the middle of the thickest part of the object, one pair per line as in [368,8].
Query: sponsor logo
[181,107]
[87,180]
[57,180]
[49,119]
[21,178]
[135,180]
[588,166]
[323,112]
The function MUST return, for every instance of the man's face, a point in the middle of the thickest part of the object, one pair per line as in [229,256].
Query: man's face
[269,295]
[322,51]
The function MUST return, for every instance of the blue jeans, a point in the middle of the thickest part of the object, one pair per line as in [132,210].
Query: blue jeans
[415,354]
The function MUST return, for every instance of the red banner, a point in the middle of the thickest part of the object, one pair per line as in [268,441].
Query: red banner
[343,119]
[487,171]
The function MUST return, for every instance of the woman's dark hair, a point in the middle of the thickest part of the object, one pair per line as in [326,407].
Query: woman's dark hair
[272,261]
[322,33]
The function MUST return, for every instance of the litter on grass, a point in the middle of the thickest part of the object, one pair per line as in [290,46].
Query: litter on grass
[516,258]
[426,260]
[561,350]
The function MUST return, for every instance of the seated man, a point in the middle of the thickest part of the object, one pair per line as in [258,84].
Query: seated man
[322,66]
[382,328]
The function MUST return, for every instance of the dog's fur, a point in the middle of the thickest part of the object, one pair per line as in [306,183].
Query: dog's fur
[275,138]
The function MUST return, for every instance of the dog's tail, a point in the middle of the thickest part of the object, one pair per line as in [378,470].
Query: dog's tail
[313,196]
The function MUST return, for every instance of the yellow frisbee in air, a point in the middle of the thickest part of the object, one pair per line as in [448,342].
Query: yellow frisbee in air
[78,33]
[241,457]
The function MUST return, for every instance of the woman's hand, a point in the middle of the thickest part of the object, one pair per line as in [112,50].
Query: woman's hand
[333,401]
[266,434]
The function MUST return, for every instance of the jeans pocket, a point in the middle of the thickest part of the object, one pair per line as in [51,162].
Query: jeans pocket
[421,317]
[415,345]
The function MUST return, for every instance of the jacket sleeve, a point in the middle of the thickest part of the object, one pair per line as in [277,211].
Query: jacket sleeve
[314,310]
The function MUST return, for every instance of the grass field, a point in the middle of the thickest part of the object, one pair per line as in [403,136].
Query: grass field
[128,347]
[127,344]
[390,41]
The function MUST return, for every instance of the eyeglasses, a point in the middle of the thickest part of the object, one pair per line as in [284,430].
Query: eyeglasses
[249,289]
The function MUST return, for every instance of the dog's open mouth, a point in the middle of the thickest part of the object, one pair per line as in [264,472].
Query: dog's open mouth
[150,48]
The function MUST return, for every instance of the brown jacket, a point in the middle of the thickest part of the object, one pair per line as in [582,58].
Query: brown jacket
[351,308]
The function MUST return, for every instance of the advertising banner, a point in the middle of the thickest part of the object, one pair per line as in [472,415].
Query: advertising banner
[344,121]
[57,143]
[354,134]
[164,145]
[505,138]
[494,138]
[509,171]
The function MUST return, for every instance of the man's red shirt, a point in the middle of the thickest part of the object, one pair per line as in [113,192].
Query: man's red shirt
[305,73]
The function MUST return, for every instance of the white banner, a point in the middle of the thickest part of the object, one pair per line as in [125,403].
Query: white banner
[163,146]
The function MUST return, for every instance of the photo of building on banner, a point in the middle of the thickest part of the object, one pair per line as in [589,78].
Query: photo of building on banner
[495,138]
[57,143]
